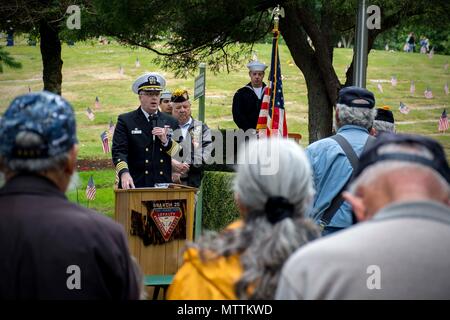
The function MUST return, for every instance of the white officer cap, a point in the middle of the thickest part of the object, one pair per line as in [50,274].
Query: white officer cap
[151,81]
[256,66]
[166,94]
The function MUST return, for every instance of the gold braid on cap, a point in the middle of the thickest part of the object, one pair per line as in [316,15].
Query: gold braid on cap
[181,93]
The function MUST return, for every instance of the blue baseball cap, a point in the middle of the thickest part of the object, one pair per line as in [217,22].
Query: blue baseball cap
[356,97]
[371,156]
[43,113]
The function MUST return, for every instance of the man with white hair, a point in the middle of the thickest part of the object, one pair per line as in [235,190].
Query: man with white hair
[399,248]
[333,158]
[247,100]
[52,248]
[195,141]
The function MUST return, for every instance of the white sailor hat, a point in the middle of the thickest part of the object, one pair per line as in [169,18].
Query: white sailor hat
[166,95]
[256,66]
[151,81]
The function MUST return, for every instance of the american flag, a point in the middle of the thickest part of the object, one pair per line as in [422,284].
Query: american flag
[111,129]
[272,117]
[138,63]
[105,142]
[443,121]
[90,114]
[380,87]
[90,189]
[412,88]
[394,81]
[428,93]
[446,88]
[403,108]
[97,103]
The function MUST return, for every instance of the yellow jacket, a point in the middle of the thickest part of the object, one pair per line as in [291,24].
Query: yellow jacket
[211,280]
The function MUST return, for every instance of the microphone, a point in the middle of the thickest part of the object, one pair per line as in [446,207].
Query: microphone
[153,119]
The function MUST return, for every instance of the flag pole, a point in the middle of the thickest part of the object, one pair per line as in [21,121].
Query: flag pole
[277,12]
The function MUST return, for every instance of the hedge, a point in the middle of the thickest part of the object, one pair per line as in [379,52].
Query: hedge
[219,208]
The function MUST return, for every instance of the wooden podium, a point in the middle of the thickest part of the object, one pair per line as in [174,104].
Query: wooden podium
[155,259]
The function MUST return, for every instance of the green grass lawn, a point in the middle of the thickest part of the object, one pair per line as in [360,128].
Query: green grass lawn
[92,70]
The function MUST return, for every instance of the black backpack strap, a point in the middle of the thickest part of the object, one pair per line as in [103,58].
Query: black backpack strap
[353,158]
[369,142]
[348,150]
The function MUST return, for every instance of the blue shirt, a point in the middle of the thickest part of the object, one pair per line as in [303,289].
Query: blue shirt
[184,128]
[331,170]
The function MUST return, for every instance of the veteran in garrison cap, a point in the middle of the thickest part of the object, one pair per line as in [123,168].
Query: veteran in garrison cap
[247,100]
[142,143]
[384,121]
[195,139]
[38,150]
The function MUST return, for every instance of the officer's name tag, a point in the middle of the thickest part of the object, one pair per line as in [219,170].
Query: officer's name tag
[136,131]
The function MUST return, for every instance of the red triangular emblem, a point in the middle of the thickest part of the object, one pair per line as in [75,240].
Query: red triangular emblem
[166,219]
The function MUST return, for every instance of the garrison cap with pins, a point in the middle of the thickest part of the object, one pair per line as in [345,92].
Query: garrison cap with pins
[385,114]
[151,81]
[256,66]
[180,95]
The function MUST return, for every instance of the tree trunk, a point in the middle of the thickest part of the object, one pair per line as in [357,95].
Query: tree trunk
[51,57]
[311,64]
[320,109]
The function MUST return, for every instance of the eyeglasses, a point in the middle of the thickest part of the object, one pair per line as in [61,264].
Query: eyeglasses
[149,93]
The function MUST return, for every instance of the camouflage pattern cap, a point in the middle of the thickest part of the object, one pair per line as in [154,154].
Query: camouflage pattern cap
[43,113]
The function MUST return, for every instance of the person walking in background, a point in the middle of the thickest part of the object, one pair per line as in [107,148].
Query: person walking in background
[411,42]
[244,261]
[50,247]
[424,45]
[399,248]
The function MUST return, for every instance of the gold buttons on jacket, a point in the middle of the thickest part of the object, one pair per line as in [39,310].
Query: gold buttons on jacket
[161,160]
[146,149]
[161,173]
[146,172]
[146,161]
[160,149]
